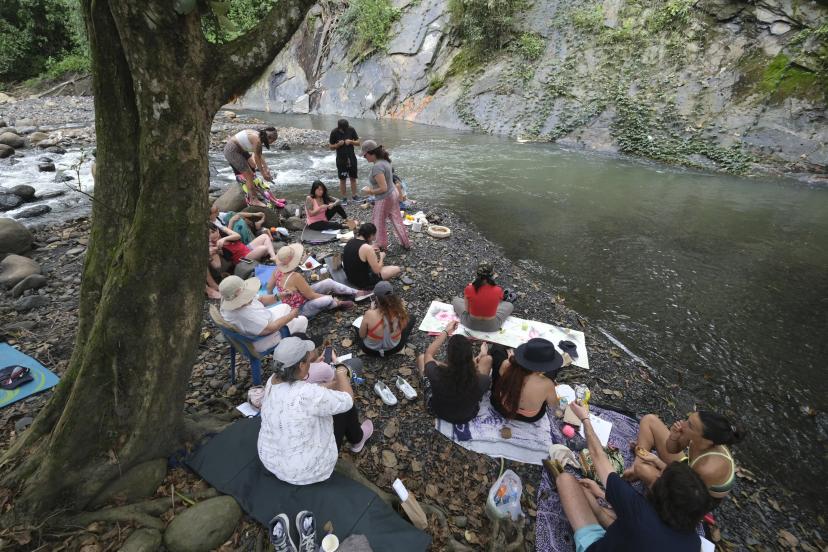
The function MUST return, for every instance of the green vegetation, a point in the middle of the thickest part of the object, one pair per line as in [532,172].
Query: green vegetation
[671,14]
[230,19]
[484,25]
[783,79]
[435,85]
[37,34]
[588,18]
[370,22]
[530,46]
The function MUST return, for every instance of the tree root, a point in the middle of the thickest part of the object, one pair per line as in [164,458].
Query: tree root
[501,529]
[143,513]
[195,428]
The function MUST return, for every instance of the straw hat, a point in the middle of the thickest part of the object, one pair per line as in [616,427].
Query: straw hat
[289,257]
[236,293]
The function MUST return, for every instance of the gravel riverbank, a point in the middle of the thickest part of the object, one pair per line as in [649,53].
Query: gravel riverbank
[405,444]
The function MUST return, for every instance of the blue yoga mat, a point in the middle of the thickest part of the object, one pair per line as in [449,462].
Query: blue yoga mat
[263,273]
[43,378]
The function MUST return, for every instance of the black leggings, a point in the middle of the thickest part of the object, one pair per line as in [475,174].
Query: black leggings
[346,425]
[499,355]
[329,214]
[396,348]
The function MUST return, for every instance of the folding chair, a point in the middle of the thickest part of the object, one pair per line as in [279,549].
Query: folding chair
[243,344]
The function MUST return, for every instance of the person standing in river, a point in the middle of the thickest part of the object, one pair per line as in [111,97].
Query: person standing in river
[343,139]
[237,151]
[386,200]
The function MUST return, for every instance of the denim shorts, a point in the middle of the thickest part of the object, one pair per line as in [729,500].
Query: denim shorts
[587,535]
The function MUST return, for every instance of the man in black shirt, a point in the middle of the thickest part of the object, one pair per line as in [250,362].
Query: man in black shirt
[343,139]
[664,520]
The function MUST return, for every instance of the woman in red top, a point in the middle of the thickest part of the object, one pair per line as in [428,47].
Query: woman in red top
[482,307]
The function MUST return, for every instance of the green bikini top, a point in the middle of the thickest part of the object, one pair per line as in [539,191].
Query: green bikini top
[728,484]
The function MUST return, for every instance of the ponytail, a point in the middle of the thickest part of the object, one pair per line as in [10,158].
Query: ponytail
[263,135]
[381,153]
[719,430]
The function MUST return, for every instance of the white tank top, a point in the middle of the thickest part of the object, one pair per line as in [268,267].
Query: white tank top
[243,138]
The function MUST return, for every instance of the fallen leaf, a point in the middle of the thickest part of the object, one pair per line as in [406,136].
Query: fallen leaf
[416,466]
[471,537]
[432,491]
[391,428]
[787,539]
[404,371]
[328,527]
[347,343]
[389,459]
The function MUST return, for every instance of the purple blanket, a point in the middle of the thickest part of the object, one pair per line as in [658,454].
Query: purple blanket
[552,531]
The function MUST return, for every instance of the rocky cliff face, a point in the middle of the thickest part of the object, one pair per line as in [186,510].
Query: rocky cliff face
[730,85]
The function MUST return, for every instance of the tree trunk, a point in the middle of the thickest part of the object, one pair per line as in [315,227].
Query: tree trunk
[121,399]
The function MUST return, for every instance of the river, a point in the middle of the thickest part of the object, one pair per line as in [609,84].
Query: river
[719,283]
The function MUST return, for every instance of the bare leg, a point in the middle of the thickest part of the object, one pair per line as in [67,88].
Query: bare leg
[575,504]
[653,434]
[353,186]
[342,188]
[390,272]
[263,241]
[252,198]
[605,516]
[421,363]
[644,472]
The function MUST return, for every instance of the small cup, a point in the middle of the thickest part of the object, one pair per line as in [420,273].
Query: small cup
[330,543]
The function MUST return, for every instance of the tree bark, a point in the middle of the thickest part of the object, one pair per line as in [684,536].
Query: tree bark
[121,399]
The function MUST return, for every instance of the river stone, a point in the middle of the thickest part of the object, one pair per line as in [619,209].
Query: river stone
[63,177]
[14,268]
[271,217]
[23,123]
[14,237]
[294,223]
[56,150]
[3,123]
[46,167]
[49,195]
[12,140]
[25,304]
[231,200]
[142,540]
[204,526]
[34,281]
[140,481]
[6,151]
[780,28]
[24,191]
[37,137]
[23,423]
[32,212]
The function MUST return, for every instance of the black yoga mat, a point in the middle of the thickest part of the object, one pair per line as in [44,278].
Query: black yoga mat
[230,462]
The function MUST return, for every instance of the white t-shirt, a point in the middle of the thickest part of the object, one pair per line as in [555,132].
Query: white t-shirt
[253,318]
[296,440]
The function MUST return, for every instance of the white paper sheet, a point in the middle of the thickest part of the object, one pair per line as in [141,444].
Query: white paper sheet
[331,232]
[247,409]
[707,546]
[314,264]
[343,358]
[357,323]
[601,427]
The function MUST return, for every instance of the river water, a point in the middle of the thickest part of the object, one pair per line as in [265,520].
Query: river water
[719,283]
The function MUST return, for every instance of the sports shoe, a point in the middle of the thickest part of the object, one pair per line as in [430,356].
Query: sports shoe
[344,201]
[279,528]
[306,527]
[363,295]
[406,389]
[345,305]
[367,431]
[357,199]
[385,393]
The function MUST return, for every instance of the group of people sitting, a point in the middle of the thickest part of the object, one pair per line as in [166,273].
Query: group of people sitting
[308,409]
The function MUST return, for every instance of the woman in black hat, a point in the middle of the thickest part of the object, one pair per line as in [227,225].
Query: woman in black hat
[523,379]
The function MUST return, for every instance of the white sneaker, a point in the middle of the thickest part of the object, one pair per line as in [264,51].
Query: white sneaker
[406,389]
[385,393]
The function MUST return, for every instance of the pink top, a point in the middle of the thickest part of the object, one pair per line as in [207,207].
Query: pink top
[295,300]
[316,218]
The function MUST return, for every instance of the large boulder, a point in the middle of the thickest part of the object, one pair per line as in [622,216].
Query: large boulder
[12,140]
[231,200]
[271,217]
[24,191]
[205,526]
[6,151]
[37,137]
[31,212]
[142,540]
[295,223]
[15,268]
[139,482]
[14,237]
[35,281]
[9,200]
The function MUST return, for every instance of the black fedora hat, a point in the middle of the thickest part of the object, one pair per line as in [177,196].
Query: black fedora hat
[539,355]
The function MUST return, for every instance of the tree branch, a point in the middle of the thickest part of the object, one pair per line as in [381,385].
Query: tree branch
[237,64]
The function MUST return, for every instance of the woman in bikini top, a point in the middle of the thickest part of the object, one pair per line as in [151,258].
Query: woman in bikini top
[702,440]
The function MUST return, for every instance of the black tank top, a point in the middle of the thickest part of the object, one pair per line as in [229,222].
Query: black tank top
[358,271]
